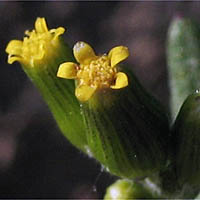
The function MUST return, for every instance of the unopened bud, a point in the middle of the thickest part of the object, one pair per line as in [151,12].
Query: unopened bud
[126,189]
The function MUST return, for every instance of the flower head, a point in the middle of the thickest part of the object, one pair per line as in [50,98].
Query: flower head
[94,72]
[32,50]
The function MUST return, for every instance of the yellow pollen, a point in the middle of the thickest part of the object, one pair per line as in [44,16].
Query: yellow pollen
[98,73]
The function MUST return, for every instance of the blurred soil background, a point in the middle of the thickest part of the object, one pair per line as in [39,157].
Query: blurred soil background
[36,161]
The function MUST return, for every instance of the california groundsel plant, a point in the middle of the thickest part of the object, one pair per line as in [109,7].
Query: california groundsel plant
[103,110]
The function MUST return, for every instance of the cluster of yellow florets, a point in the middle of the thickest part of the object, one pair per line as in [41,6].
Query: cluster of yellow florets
[93,72]
[98,73]
[35,45]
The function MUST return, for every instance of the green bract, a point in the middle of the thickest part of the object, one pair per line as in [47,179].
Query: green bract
[127,130]
[183,52]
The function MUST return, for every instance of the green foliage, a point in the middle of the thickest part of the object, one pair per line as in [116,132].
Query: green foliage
[186,138]
[183,55]
[183,51]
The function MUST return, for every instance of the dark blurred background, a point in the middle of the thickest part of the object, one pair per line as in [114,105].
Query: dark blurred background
[36,161]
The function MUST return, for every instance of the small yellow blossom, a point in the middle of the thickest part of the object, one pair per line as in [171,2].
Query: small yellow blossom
[94,72]
[35,45]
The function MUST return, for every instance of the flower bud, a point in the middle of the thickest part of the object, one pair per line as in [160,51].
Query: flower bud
[186,142]
[126,189]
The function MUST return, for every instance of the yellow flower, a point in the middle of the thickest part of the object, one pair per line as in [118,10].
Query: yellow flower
[94,72]
[34,47]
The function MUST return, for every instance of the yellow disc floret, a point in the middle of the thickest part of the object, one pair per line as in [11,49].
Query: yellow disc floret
[37,45]
[94,72]
[97,74]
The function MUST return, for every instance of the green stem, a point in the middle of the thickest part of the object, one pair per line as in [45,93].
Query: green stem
[59,95]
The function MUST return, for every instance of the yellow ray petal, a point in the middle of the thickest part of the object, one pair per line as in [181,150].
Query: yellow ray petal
[12,59]
[57,32]
[83,52]
[40,25]
[121,81]
[67,70]
[84,92]
[118,54]
[14,47]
